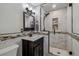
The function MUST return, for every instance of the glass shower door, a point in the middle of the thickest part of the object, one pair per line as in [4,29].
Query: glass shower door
[58,44]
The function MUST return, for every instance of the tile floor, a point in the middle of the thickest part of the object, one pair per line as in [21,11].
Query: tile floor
[59,52]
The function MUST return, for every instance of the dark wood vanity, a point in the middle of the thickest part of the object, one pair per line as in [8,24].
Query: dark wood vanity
[32,48]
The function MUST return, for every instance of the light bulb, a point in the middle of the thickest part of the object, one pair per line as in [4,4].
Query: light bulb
[30,8]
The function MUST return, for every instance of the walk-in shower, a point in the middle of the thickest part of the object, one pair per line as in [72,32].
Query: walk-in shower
[55,21]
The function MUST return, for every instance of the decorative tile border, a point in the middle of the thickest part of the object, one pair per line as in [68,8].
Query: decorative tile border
[70,34]
[46,33]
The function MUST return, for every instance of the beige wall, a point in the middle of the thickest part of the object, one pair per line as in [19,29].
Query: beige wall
[10,17]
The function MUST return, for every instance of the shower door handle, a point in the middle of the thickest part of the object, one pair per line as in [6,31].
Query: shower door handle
[54,29]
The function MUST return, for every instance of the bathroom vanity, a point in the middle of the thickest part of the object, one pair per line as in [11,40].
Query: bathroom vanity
[32,46]
[28,46]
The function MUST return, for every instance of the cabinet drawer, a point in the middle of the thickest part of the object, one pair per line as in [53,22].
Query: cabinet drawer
[33,48]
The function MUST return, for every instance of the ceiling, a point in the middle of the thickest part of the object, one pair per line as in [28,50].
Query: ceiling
[35,4]
[48,7]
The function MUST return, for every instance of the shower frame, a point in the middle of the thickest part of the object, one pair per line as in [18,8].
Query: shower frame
[70,5]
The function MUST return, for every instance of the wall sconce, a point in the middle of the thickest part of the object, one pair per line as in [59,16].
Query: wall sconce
[28,9]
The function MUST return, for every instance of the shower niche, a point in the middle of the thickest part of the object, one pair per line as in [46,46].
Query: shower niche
[55,24]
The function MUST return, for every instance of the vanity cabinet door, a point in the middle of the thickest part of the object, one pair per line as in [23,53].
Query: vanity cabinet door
[31,48]
[38,47]
[37,50]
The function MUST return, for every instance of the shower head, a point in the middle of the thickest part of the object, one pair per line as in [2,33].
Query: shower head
[46,14]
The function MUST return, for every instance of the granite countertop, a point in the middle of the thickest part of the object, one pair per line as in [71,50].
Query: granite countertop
[33,38]
[24,35]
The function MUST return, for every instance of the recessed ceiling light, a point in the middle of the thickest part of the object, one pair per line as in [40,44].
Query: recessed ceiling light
[54,6]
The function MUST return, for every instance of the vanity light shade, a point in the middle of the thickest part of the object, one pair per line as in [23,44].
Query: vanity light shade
[30,8]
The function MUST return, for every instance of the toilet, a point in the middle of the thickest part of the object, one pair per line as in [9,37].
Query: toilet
[9,51]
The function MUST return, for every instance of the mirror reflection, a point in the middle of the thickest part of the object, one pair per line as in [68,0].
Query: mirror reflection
[29,22]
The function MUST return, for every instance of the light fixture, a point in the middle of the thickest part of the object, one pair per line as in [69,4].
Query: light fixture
[54,6]
[30,8]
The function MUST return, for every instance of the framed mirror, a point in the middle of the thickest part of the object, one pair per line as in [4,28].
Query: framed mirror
[28,22]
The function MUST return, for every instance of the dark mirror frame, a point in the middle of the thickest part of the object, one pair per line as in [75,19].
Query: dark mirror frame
[26,28]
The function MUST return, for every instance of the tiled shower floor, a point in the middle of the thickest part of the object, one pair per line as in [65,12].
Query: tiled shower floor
[58,52]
